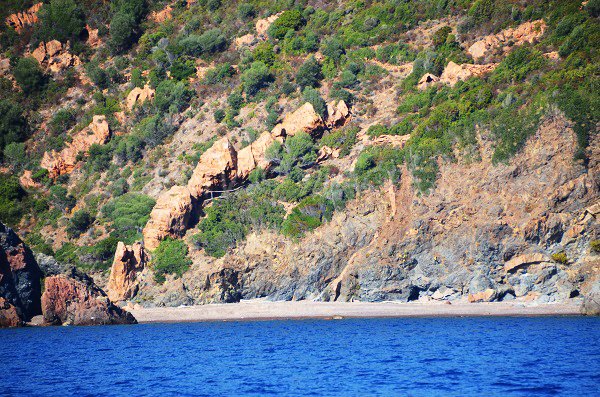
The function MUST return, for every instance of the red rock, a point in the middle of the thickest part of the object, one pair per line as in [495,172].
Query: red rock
[302,119]
[77,300]
[253,156]
[9,317]
[19,20]
[169,217]
[215,170]
[63,162]
[129,261]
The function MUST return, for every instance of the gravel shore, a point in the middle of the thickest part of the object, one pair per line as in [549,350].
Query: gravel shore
[265,310]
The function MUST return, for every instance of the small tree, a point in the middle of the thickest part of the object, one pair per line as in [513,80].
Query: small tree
[255,78]
[29,75]
[79,223]
[61,20]
[313,97]
[170,258]
[309,74]
[123,31]
[289,20]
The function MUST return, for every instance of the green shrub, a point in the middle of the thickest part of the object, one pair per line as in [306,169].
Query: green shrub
[11,196]
[264,53]
[219,73]
[313,97]
[173,96]
[182,68]
[440,36]
[61,20]
[309,214]
[298,150]
[343,139]
[246,11]
[289,20]
[13,126]
[209,42]
[255,78]
[560,257]
[595,246]
[219,115]
[309,73]
[98,75]
[29,75]
[128,214]
[61,198]
[518,65]
[79,223]
[15,156]
[123,31]
[232,217]
[62,121]
[170,257]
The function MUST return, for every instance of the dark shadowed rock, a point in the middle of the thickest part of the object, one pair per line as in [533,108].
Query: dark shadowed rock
[19,276]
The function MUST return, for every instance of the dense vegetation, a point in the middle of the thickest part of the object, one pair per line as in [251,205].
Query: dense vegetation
[309,47]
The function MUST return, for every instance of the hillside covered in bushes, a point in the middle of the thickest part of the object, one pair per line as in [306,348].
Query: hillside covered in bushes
[371,150]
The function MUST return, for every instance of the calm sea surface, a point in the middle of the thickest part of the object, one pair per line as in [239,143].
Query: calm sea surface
[385,357]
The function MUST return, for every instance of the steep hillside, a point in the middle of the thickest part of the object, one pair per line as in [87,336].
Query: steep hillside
[203,151]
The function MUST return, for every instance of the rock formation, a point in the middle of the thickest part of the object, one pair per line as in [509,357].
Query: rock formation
[527,32]
[92,37]
[247,40]
[169,217]
[337,114]
[138,96]
[19,278]
[427,80]
[454,73]
[55,56]
[162,15]
[262,25]
[591,301]
[216,169]
[74,299]
[20,20]
[222,168]
[302,119]
[63,162]
[26,180]
[128,262]
[253,156]
[9,315]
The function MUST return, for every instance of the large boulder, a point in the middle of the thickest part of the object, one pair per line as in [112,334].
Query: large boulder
[19,277]
[169,217]
[426,81]
[74,299]
[63,162]
[139,95]
[527,32]
[216,169]
[9,315]
[591,301]
[453,73]
[337,114]
[253,156]
[262,25]
[129,261]
[55,56]
[20,20]
[305,119]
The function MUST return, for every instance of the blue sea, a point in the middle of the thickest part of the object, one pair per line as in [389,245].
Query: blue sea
[355,357]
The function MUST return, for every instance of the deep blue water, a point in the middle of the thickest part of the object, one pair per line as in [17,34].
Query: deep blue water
[386,357]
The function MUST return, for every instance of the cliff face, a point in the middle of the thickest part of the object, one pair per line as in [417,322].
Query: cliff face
[486,232]
[19,278]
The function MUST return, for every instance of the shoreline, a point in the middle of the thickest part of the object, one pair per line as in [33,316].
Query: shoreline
[256,310]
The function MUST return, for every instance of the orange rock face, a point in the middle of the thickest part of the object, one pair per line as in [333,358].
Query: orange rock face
[78,301]
[262,25]
[139,95]
[215,170]
[484,296]
[55,56]
[169,217]
[9,317]
[337,114]
[21,19]
[161,15]
[527,32]
[26,180]
[253,156]
[129,261]
[93,40]
[303,119]
[63,162]
[454,73]
[427,80]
